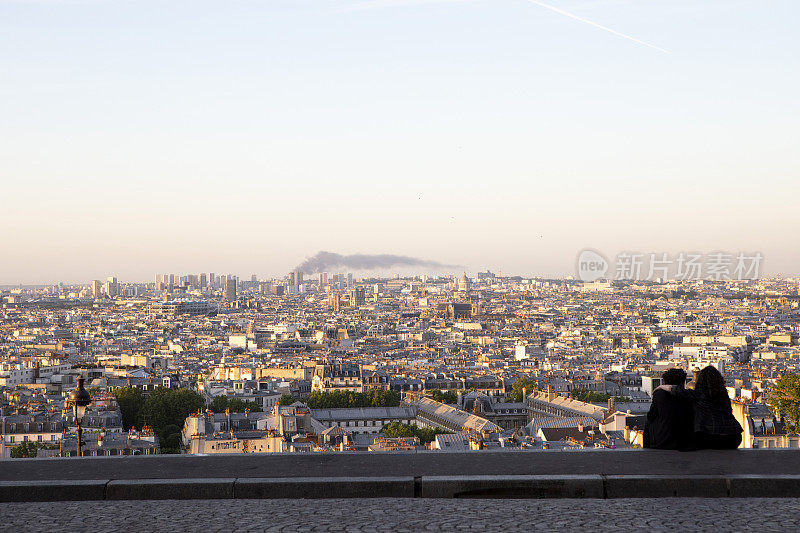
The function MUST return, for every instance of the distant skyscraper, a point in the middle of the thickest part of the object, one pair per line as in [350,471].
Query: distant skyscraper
[112,287]
[203,280]
[349,280]
[253,279]
[339,281]
[323,279]
[297,278]
[212,280]
[357,297]
[334,301]
[277,290]
[230,290]
[97,289]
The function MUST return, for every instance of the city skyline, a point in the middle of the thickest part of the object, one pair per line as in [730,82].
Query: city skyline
[626,265]
[149,136]
[328,253]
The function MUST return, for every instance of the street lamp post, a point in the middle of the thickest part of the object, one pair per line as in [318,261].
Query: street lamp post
[79,399]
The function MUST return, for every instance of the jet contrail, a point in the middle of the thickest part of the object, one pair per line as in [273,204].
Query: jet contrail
[596,25]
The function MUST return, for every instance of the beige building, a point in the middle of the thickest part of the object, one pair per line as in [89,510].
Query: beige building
[267,444]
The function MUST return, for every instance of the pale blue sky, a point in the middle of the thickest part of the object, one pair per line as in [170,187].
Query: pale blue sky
[178,136]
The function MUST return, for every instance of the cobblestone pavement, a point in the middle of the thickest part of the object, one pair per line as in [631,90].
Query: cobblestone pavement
[682,514]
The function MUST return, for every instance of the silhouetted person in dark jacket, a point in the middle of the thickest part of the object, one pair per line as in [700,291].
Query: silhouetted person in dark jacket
[715,427]
[670,419]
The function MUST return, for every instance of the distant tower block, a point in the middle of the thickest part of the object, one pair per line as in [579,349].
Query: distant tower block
[357,297]
[230,289]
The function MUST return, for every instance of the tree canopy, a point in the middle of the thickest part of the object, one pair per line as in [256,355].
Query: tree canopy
[516,388]
[589,396]
[784,400]
[449,396]
[29,449]
[336,399]
[165,410]
[234,405]
[286,399]
[130,400]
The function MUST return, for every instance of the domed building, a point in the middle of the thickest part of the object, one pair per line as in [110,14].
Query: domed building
[463,283]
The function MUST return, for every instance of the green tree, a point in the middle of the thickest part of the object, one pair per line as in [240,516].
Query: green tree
[234,405]
[516,388]
[237,405]
[219,404]
[130,400]
[165,410]
[398,429]
[286,399]
[339,399]
[449,396]
[428,435]
[589,396]
[29,449]
[784,399]
[24,450]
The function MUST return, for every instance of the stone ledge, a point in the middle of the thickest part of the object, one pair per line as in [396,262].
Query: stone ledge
[555,486]
[480,486]
[49,491]
[340,487]
[170,489]
[666,486]
[754,486]
[400,464]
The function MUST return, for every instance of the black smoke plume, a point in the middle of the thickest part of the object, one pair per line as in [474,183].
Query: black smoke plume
[325,261]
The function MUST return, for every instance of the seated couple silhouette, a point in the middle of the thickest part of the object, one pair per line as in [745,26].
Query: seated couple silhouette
[692,419]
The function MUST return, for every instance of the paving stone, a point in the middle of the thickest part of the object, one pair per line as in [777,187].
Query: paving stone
[687,514]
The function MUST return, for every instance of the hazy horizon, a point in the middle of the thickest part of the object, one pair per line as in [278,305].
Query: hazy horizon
[143,137]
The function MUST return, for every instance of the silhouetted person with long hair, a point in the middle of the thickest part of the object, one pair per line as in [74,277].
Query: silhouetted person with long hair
[669,424]
[714,424]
